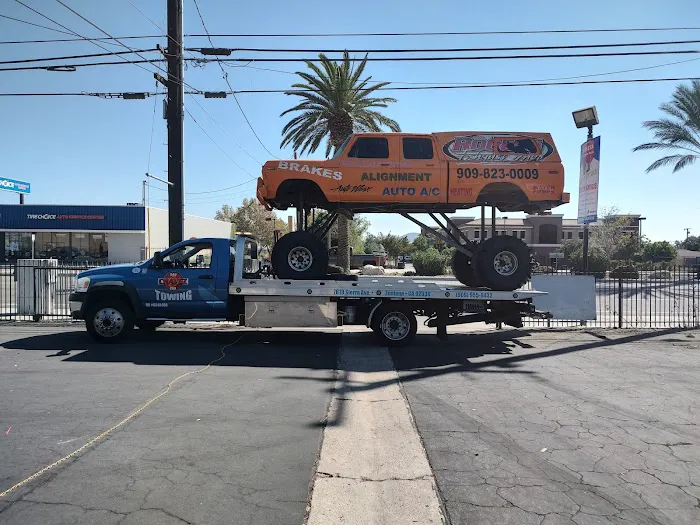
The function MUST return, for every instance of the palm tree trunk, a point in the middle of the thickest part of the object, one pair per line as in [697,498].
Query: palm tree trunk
[343,245]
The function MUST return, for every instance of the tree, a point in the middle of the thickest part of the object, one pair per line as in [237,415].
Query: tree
[679,132]
[659,251]
[393,244]
[336,102]
[421,243]
[373,244]
[692,242]
[627,248]
[356,234]
[251,217]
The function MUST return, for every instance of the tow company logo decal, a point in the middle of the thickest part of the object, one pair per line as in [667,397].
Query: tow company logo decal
[173,281]
[498,148]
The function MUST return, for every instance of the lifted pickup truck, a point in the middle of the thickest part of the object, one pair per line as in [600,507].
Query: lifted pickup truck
[434,173]
[221,280]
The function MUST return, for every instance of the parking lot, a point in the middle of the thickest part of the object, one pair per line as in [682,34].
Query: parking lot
[239,426]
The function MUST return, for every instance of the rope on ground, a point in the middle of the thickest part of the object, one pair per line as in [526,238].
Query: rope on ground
[121,423]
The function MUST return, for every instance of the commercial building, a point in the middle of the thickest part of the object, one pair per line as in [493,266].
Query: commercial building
[545,234]
[92,233]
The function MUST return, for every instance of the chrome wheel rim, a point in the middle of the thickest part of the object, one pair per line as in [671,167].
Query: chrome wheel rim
[108,322]
[395,326]
[505,263]
[300,259]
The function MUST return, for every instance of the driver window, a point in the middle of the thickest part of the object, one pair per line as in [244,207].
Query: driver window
[194,256]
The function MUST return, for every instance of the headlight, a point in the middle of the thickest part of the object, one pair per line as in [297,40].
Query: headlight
[82,284]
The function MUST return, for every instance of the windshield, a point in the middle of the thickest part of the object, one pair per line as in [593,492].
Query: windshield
[341,148]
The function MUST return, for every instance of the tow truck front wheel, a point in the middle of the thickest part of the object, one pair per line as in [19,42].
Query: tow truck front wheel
[395,324]
[109,321]
[503,263]
[299,255]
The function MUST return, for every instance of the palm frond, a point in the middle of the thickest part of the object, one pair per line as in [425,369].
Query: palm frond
[680,162]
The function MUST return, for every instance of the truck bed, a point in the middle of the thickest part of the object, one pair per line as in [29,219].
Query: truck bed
[392,287]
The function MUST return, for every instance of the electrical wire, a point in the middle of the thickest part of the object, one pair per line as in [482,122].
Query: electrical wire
[31,24]
[135,62]
[445,33]
[458,58]
[452,49]
[73,67]
[406,88]
[72,57]
[225,75]
[157,26]
[218,146]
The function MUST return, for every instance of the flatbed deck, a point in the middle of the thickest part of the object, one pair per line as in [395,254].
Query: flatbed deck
[389,287]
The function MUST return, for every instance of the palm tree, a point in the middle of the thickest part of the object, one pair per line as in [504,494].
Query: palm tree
[335,103]
[679,132]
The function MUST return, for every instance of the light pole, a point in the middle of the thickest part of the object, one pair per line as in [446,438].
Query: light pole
[585,118]
[639,221]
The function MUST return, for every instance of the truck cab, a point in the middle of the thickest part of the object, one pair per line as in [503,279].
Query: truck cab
[189,280]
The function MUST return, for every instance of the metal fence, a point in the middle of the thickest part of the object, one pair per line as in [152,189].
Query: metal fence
[32,290]
[654,296]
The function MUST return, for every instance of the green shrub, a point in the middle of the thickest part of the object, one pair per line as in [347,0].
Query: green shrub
[626,271]
[429,262]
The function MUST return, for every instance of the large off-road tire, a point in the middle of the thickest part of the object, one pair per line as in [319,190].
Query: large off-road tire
[109,320]
[463,270]
[395,324]
[299,255]
[503,263]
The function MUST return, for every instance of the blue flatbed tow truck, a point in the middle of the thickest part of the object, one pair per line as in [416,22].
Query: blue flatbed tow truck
[215,279]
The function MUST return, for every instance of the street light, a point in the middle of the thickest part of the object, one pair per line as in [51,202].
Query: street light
[639,222]
[586,118]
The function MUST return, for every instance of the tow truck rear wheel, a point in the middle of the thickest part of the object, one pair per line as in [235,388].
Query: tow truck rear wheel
[109,320]
[503,263]
[395,324]
[299,255]
[463,270]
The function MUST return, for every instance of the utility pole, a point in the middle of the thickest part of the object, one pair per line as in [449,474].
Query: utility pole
[687,233]
[175,116]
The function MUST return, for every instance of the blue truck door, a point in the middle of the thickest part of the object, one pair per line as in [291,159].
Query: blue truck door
[188,284]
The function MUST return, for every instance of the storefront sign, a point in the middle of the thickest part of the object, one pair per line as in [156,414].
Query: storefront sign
[60,217]
[588,181]
[14,185]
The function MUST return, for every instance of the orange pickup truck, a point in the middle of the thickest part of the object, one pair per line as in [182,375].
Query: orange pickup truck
[421,173]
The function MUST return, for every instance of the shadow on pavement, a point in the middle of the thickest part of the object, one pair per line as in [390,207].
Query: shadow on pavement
[296,349]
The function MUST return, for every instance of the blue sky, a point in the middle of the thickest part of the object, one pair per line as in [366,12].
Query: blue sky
[86,150]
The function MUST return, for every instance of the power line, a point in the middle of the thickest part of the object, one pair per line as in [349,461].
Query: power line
[73,67]
[369,59]
[403,88]
[157,26]
[445,33]
[451,58]
[218,146]
[453,49]
[32,24]
[72,57]
[225,75]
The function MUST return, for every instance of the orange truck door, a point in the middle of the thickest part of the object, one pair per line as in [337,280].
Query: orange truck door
[421,173]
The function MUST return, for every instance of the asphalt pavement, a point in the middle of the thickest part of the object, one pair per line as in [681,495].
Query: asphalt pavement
[559,426]
[235,443]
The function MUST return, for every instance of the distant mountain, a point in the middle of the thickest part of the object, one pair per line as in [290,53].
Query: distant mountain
[412,236]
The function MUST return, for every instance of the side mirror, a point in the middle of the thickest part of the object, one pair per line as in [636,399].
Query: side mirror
[157,260]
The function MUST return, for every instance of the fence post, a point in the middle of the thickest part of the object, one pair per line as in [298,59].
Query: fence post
[619,302]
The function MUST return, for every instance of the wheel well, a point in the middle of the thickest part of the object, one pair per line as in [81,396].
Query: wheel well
[506,196]
[290,191]
[102,295]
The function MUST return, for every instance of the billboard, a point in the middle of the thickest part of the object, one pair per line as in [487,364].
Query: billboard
[14,185]
[588,181]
